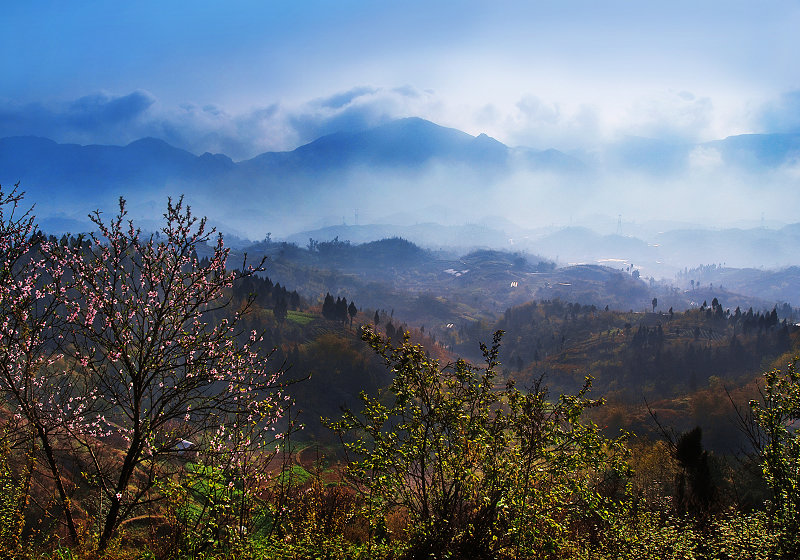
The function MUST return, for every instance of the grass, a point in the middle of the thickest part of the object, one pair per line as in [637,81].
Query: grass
[297,476]
[300,317]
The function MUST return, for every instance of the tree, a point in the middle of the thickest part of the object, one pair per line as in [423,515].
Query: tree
[294,300]
[164,371]
[352,310]
[34,392]
[329,307]
[480,469]
[341,309]
[774,436]
[655,304]
[695,488]
[281,309]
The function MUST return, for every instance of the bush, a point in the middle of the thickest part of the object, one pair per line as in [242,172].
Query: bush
[11,502]
[482,470]
[775,438]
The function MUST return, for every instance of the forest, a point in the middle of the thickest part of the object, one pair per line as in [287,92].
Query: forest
[162,401]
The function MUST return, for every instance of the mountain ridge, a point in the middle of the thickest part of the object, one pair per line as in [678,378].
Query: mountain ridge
[400,165]
[55,175]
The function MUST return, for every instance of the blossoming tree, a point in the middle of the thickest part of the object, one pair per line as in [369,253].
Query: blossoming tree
[32,392]
[150,368]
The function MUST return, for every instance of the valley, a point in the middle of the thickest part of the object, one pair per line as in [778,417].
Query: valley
[622,341]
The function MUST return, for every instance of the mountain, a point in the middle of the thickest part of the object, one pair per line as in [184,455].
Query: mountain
[759,150]
[427,234]
[57,176]
[410,167]
[316,177]
[407,143]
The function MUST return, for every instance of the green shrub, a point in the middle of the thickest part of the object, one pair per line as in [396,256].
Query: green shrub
[482,469]
[776,418]
[11,504]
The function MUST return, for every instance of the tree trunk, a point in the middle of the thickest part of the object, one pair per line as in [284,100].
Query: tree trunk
[112,517]
[62,493]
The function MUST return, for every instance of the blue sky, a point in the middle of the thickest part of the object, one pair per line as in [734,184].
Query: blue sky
[249,76]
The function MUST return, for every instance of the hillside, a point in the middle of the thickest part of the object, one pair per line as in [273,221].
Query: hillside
[681,366]
[556,328]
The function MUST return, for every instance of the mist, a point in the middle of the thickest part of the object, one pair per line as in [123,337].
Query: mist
[663,207]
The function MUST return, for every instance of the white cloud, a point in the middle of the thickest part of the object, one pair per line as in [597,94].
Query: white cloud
[705,158]
[671,115]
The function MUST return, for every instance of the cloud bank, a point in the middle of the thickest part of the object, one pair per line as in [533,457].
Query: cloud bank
[534,121]
[103,118]
[95,118]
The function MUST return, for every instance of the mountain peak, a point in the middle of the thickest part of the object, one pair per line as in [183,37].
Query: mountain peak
[484,139]
[151,142]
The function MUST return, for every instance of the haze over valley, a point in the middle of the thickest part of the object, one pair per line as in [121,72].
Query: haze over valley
[641,202]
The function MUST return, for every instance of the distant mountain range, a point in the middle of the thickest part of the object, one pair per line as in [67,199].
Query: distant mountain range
[56,175]
[434,185]
[380,170]
[407,144]
[661,254]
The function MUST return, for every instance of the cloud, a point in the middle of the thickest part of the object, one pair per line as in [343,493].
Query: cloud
[704,158]
[279,127]
[315,123]
[96,117]
[356,109]
[539,124]
[210,128]
[780,115]
[339,100]
[101,110]
[536,112]
[109,119]
[675,116]
[103,118]
[671,116]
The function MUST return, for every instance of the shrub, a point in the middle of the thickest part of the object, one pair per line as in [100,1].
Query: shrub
[776,420]
[482,469]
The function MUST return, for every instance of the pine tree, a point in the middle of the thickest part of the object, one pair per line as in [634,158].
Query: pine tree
[352,311]
[329,307]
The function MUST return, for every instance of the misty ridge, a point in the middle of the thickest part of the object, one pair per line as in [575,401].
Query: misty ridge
[660,206]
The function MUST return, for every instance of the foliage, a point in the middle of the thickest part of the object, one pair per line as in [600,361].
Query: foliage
[11,502]
[141,414]
[481,470]
[209,509]
[319,516]
[740,536]
[655,354]
[776,416]
[161,375]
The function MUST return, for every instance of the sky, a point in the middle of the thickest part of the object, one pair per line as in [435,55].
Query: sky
[244,77]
